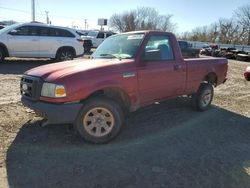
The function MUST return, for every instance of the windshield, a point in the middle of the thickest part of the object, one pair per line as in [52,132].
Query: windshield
[8,28]
[82,33]
[122,46]
[93,33]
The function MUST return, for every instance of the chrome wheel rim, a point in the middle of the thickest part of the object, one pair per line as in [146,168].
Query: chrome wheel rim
[98,122]
[206,98]
[66,56]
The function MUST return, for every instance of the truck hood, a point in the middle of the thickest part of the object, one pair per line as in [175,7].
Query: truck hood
[55,71]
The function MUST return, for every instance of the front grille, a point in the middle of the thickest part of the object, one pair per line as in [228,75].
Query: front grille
[30,87]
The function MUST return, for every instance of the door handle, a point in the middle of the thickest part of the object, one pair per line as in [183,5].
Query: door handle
[128,74]
[35,40]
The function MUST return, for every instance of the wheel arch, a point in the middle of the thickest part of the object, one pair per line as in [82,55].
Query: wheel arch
[211,78]
[6,52]
[115,93]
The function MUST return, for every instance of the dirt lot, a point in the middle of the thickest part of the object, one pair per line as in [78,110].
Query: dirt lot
[163,145]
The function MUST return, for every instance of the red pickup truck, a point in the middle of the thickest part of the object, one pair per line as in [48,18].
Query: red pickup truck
[127,71]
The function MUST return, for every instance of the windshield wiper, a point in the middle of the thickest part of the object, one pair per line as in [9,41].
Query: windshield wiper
[109,55]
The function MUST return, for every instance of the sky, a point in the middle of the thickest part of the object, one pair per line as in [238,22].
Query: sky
[187,14]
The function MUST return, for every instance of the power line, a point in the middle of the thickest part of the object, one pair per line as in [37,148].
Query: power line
[41,13]
[17,10]
[52,15]
[8,18]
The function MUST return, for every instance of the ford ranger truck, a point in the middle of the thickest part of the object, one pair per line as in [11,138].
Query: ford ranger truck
[126,72]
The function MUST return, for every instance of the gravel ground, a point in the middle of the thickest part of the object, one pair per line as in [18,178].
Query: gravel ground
[163,145]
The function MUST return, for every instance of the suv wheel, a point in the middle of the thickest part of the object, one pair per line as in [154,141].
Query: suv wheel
[2,56]
[65,55]
[100,120]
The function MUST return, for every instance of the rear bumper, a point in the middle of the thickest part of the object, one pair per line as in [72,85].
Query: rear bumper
[54,113]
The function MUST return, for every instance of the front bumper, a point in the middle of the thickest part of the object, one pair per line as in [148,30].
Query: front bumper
[54,113]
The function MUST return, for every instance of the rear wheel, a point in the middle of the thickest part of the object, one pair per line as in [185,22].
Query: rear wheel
[65,55]
[201,100]
[100,120]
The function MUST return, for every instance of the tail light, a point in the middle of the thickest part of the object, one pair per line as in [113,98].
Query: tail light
[81,41]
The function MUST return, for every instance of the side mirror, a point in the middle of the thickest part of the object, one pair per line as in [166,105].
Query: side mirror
[13,32]
[151,55]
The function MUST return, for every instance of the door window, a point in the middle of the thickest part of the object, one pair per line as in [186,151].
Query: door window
[55,32]
[158,48]
[43,31]
[100,35]
[27,31]
[108,34]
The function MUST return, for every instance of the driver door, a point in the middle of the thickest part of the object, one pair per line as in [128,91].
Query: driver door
[161,76]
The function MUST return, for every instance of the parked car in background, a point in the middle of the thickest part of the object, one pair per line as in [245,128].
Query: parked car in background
[37,40]
[187,50]
[87,42]
[206,50]
[1,26]
[210,50]
[247,73]
[97,37]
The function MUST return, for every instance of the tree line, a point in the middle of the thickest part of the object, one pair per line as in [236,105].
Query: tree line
[142,18]
[235,30]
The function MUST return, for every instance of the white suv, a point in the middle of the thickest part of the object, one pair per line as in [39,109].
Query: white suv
[97,37]
[40,40]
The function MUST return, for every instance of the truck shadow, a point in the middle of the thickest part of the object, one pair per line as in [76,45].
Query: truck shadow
[164,145]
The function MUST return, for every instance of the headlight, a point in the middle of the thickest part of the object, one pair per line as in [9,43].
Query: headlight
[53,90]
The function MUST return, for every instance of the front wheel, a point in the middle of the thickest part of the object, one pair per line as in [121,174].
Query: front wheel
[201,100]
[2,55]
[100,120]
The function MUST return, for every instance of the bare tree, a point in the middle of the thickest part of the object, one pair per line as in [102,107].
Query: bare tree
[213,33]
[243,16]
[143,18]
[229,31]
[117,22]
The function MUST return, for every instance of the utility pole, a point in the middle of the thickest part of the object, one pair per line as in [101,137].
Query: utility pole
[85,21]
[47,17]
[33,10]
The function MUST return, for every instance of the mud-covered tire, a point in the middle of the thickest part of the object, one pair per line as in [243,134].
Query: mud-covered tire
[65,54]
[100,120]
[2,55]
[201,100]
